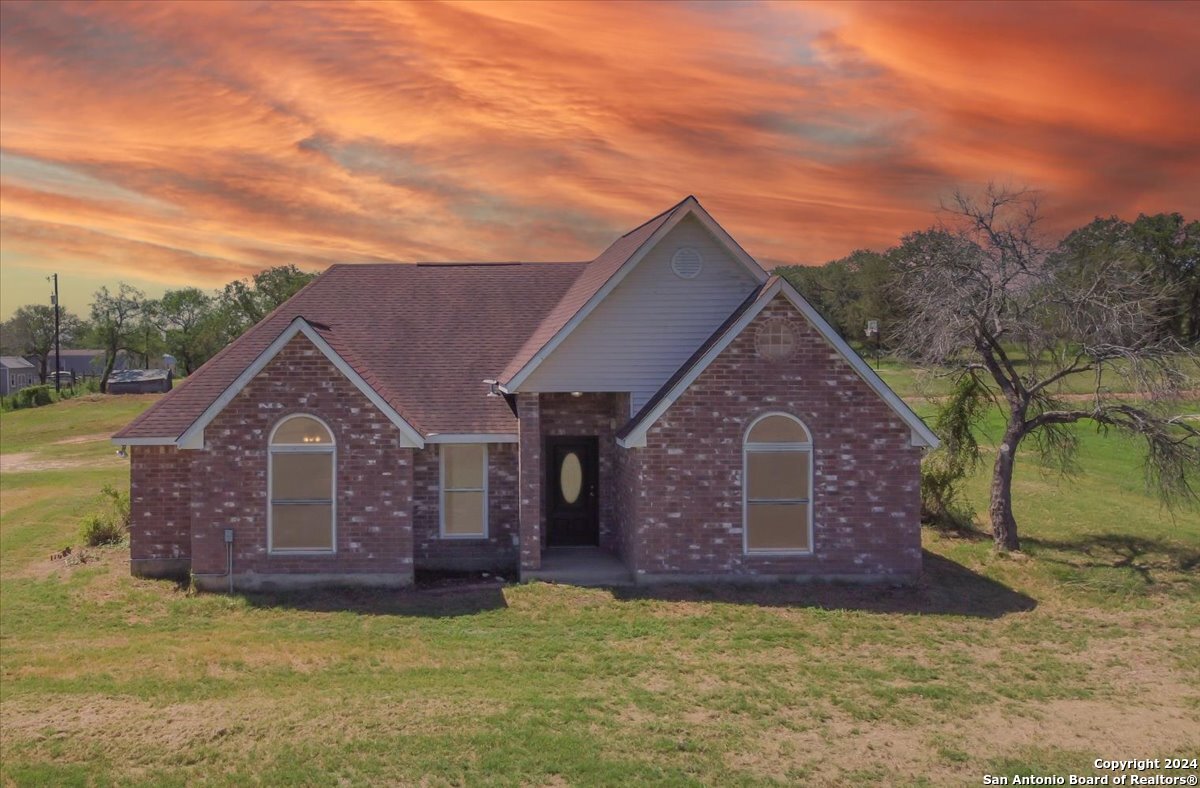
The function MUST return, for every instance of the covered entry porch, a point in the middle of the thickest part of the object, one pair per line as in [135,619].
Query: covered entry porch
[570,528]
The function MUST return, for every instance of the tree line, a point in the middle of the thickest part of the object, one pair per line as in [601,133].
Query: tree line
[1163,248]
[189,323]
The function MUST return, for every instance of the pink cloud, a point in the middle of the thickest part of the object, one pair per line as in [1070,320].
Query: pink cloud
[197,141]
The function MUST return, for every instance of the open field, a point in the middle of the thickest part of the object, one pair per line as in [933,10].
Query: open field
[1086,646]
[914,383]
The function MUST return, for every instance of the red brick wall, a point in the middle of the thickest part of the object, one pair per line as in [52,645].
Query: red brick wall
[530,472]
[628,490]
[866,475]
[374,474]
[498,551]
[160,500]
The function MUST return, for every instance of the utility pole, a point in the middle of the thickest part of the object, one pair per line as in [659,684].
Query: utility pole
[57,348]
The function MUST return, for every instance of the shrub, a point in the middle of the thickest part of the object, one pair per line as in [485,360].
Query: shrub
[97,529]
[942,502]
[80,388]
[111,524]
[944,470]
[118,502]
[34,397]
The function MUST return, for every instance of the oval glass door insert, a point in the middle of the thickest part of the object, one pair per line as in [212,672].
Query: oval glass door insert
[570,478]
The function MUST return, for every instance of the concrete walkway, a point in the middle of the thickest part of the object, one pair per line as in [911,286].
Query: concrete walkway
[580,566]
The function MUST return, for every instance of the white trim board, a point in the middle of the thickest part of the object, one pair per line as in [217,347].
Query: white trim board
[921,434]
[193,436]
[689,207]
[471,437]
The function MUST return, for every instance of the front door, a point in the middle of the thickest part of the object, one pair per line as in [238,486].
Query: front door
[571,511]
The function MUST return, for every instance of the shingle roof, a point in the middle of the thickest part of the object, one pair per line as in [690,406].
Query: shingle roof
[15,362]
[137,375]
[425,336]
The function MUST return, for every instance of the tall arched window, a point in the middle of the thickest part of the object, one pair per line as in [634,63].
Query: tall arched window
[778,473]
[302,469]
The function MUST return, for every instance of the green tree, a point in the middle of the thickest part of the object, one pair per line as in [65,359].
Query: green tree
[1163,246]
[191,324]
[146,337]
[850,291]
[30,332]
[247,301]
[115,320]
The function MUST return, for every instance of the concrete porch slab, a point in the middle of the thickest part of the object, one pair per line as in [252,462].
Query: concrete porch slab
[580,566]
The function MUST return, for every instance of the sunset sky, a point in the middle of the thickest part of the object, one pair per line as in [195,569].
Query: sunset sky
[194,143]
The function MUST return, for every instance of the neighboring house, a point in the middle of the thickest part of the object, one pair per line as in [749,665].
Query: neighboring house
[669,403]
[15,374]
[80,364]
[83,363]
[140,381]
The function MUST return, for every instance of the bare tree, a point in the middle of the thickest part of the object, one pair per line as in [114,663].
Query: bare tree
[987,298]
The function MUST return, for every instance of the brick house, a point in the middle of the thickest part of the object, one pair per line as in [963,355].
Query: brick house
[669,407]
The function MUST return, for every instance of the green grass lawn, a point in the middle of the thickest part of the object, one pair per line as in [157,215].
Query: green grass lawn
[915,383]
[1085,646]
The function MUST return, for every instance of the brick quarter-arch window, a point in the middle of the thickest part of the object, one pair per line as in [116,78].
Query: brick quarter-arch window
[777,485]
[302,476]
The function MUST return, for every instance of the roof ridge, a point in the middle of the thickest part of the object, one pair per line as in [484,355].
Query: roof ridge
[658,216]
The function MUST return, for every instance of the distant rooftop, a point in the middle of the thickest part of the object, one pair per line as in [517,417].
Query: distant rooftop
[137,375]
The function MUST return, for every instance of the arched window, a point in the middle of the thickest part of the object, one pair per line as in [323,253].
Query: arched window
[302,469]
[777,486]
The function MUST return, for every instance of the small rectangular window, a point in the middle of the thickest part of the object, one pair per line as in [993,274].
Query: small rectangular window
[464,490]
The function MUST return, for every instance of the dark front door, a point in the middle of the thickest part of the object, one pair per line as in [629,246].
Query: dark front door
[571,511]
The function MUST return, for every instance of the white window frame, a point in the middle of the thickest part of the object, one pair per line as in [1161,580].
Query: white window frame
[747,449]
[294,448]
[442,495]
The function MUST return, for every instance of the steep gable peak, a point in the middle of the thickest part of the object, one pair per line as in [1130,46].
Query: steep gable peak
[609,269]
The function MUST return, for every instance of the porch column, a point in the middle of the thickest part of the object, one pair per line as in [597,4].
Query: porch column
[530,473]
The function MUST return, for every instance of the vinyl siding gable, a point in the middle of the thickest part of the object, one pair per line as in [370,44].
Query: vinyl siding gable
[650,324]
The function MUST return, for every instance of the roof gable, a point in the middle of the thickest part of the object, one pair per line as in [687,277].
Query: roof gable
[322,338]
[603,275]
[640,334]
[633,435]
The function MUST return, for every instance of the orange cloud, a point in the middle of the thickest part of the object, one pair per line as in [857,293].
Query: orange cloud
[191,143]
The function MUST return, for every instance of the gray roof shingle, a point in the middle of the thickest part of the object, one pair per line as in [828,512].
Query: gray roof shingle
[425,336]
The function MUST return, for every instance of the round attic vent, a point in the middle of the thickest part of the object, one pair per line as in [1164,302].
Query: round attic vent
[686,263]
